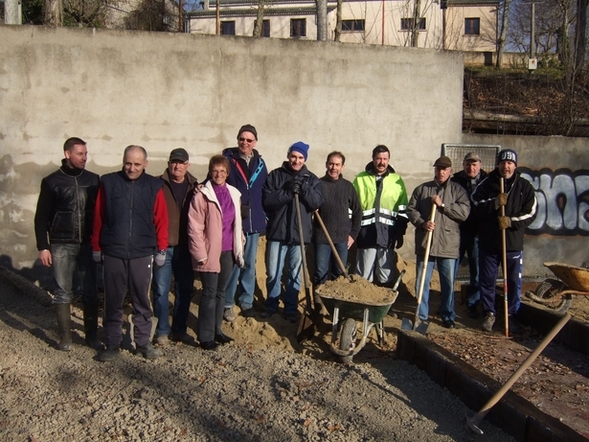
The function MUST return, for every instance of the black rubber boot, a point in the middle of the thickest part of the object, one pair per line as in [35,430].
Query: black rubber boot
[91,326]
[64,326]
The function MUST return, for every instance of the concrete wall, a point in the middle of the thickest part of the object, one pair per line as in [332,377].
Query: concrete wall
[558,169]
[164,91]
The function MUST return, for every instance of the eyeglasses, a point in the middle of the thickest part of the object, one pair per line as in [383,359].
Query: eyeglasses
[247,140]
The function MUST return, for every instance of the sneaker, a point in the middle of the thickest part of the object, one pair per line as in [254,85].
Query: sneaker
[229,315]
[514,326]
[448,323]
[488,322]
[292,318]
[108,354]
[473,312]
[148,351]
[248,312]
[182,337]
[162,340]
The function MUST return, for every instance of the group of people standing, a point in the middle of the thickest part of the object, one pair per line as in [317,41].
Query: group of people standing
[471,209]
[144,230]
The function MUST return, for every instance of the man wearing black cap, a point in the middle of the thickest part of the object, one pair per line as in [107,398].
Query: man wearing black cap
[452,208]
[282,232]
[178,189]
[519,201]
[248,174]
[469,177]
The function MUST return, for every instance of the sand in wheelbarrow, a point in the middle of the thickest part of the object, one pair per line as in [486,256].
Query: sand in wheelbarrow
[358,290]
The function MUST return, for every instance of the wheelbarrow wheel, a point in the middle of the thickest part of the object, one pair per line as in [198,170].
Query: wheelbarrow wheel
[347,338]
[550,288]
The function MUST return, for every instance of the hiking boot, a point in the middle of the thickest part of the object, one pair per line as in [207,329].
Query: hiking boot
[291,317]
[91,326]
[148,351]
[514,326]
[473,312]
[229,315]
[64,326]
[182,337]
[267,314]
[162,340]
[223,339]
[108,354]
[488,322]
[248,312]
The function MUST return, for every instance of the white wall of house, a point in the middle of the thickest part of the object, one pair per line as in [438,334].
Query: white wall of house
[395,12]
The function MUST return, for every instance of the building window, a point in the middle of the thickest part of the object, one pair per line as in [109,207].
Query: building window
[265,27]
[472,26]
[352,25]
[227,28]
[407,24]
[298,27]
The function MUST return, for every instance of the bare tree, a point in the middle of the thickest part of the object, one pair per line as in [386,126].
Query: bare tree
[503,24]
[580,33]
[338,20]
[259,27]
[416,23]
[53,13]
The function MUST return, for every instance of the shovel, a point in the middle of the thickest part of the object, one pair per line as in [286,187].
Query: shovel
[333,249]
[473,422]
[306,326]
[419,326]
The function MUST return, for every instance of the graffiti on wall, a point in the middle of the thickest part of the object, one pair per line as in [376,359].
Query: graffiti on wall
[563,201]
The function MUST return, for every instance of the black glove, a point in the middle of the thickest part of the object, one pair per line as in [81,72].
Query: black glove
[295,187]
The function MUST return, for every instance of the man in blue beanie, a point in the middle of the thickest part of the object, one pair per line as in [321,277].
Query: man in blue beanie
[519,200]
[282,230]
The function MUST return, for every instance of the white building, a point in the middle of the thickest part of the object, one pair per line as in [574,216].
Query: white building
[465,25]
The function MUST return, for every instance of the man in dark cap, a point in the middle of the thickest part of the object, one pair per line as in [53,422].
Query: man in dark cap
[248,174]
[469,177]
[519,201]
[178,189]
[452,207]
[282,231]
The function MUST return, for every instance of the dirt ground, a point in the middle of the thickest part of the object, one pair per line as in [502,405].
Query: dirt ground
[556,383]
[264,386]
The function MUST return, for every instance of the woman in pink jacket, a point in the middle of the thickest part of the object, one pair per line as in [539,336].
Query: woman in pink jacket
[216,243]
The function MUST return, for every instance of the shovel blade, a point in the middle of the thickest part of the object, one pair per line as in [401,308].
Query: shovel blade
[306,329]
[406,324]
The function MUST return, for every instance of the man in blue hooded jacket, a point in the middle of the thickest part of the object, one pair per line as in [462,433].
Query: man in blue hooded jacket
[248,174]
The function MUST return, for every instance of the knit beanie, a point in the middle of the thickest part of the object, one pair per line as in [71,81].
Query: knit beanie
[300,147]
[248,128]
[507,155]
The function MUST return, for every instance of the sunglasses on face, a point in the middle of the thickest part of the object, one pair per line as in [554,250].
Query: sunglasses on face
[247,140]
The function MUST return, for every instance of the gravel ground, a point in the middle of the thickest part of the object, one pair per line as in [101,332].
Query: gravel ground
[240,392]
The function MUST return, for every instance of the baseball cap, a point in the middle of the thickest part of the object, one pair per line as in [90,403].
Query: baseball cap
[472,157]
[179,155]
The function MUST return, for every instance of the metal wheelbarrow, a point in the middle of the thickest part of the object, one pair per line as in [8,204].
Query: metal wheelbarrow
[347,312]
[556,294]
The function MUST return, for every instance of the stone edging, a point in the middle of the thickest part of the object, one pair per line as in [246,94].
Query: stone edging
[513,414]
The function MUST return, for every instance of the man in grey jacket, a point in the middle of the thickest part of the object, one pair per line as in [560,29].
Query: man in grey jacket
[452,208]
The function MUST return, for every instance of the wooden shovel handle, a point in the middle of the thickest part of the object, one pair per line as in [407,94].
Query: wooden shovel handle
[333,249]
[504,265]
[428,244]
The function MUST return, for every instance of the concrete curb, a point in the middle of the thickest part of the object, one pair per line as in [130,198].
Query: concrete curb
[513,414]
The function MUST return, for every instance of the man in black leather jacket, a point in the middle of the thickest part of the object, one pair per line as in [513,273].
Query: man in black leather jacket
[63,225]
